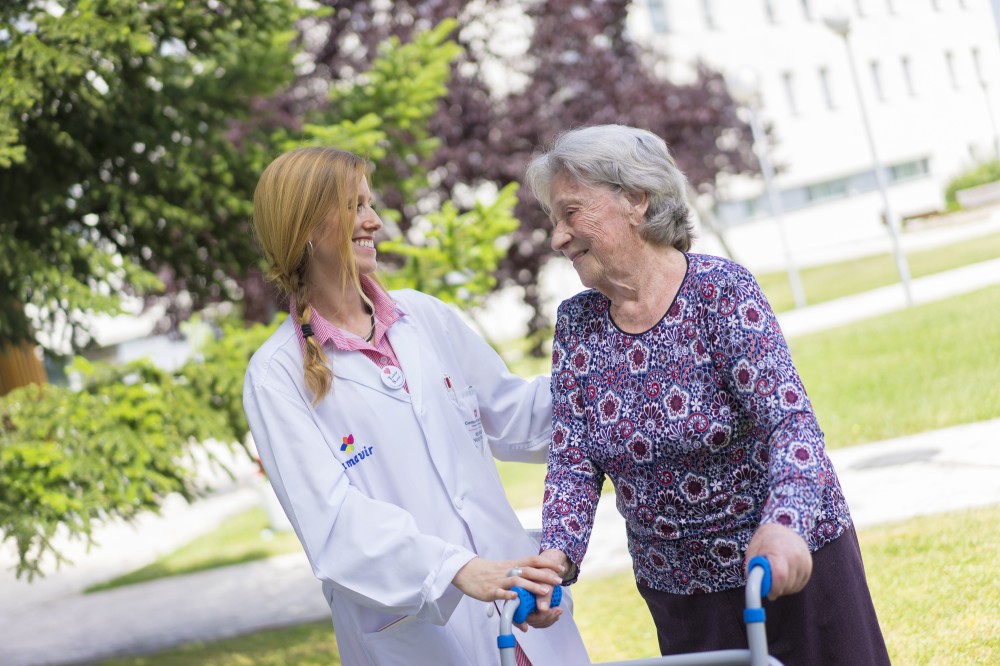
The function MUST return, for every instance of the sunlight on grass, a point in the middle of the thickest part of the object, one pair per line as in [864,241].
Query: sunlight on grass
[312,644]
[613,619]
[242,538]
[926,367]
[936,589]
[830,281]
[933,580]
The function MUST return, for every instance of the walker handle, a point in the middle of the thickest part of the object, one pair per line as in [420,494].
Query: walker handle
[765,584]
[527,603]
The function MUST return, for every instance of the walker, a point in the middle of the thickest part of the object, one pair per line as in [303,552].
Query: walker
[517,610]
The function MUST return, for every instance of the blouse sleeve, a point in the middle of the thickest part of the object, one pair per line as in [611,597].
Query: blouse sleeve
[753,361]
[573,482]
[393,569]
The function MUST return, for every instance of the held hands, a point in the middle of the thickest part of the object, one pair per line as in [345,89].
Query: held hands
[791,561]
[488,580]
[553,560]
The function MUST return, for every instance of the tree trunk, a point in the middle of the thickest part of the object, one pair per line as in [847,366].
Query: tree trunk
[19,366]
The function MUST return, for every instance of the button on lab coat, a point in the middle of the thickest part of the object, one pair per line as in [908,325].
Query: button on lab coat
[391,493]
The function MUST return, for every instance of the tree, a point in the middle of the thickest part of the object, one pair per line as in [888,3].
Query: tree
[71,458]
[580,68]
[118,174]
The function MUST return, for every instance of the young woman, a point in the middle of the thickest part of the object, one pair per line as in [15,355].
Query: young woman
[376,417]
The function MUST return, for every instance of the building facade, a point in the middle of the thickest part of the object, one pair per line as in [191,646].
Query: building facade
[928,72]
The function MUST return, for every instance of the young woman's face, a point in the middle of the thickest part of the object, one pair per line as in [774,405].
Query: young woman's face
[365,225]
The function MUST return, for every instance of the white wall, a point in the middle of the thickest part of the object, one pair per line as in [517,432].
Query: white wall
[946,123]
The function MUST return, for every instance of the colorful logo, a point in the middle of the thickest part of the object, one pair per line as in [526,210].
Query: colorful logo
[348,447]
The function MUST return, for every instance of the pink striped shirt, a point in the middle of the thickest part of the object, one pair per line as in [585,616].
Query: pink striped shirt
[379,351]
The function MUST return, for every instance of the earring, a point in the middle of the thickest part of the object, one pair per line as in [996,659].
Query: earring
[312,250]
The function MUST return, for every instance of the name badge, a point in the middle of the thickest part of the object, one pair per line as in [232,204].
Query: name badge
[392,377]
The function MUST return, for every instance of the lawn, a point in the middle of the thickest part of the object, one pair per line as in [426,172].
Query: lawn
[830,281]
[933,580]
[242,538]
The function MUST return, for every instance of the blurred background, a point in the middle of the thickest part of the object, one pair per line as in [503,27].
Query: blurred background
[848,153]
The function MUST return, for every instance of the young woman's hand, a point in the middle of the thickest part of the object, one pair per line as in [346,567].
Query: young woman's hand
[492,580]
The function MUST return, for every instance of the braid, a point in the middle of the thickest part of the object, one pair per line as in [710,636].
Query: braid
[317,372]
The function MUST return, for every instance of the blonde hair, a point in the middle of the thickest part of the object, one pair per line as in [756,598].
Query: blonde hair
[296,193]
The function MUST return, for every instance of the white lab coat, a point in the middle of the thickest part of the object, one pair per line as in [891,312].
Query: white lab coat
[388,525]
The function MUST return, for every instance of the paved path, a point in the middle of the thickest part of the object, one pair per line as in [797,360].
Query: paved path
[51,622]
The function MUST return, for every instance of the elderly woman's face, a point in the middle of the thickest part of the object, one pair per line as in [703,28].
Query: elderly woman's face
[596,228]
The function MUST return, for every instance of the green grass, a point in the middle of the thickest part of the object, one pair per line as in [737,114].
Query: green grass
[933,580]
[312,644]
[936,589]
[830,281]
[923,368]
[243,538]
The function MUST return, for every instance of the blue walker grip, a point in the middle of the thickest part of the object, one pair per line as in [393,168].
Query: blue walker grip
[527,602]
[765,584]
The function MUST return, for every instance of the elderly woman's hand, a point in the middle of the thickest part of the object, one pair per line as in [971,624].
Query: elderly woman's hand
[491,580]
[791,561]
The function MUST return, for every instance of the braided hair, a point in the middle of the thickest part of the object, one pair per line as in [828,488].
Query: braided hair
[294,197]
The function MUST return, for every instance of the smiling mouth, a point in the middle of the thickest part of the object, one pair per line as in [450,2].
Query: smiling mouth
[574,257]
[366,243]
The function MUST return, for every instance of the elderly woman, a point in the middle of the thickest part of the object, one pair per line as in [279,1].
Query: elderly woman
[670,375]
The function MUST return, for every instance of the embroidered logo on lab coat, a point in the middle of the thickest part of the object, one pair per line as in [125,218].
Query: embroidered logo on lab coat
[348,447]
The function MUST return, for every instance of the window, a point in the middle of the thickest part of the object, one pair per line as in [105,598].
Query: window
[904,62]
[706,9]
[731,213]
[976,65]
[658,16]
[949,59]
[788,79]
[877,81]
[908,170]
[824,84]
[769,11]
[807,10]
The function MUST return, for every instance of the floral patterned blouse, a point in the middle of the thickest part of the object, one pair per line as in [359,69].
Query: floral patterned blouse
[701,423]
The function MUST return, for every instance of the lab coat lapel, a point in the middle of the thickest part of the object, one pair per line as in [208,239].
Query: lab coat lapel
[405,339]
[356,367]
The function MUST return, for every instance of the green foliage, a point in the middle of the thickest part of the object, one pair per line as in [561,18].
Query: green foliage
[111,450]
[402,89]
[121,444]
[117,164]
[215,373]
[459,253]
[987,172]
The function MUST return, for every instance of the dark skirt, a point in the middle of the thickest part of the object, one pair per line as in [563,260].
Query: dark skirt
[832,621]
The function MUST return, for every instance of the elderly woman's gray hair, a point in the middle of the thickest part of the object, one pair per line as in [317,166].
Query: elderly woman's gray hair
[622,158]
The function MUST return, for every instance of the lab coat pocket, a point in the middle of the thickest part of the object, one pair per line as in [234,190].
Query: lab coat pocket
[467,403]
[411,641]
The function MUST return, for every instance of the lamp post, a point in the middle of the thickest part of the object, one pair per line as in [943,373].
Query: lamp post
[840,24]
[984,83]
[745,89]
